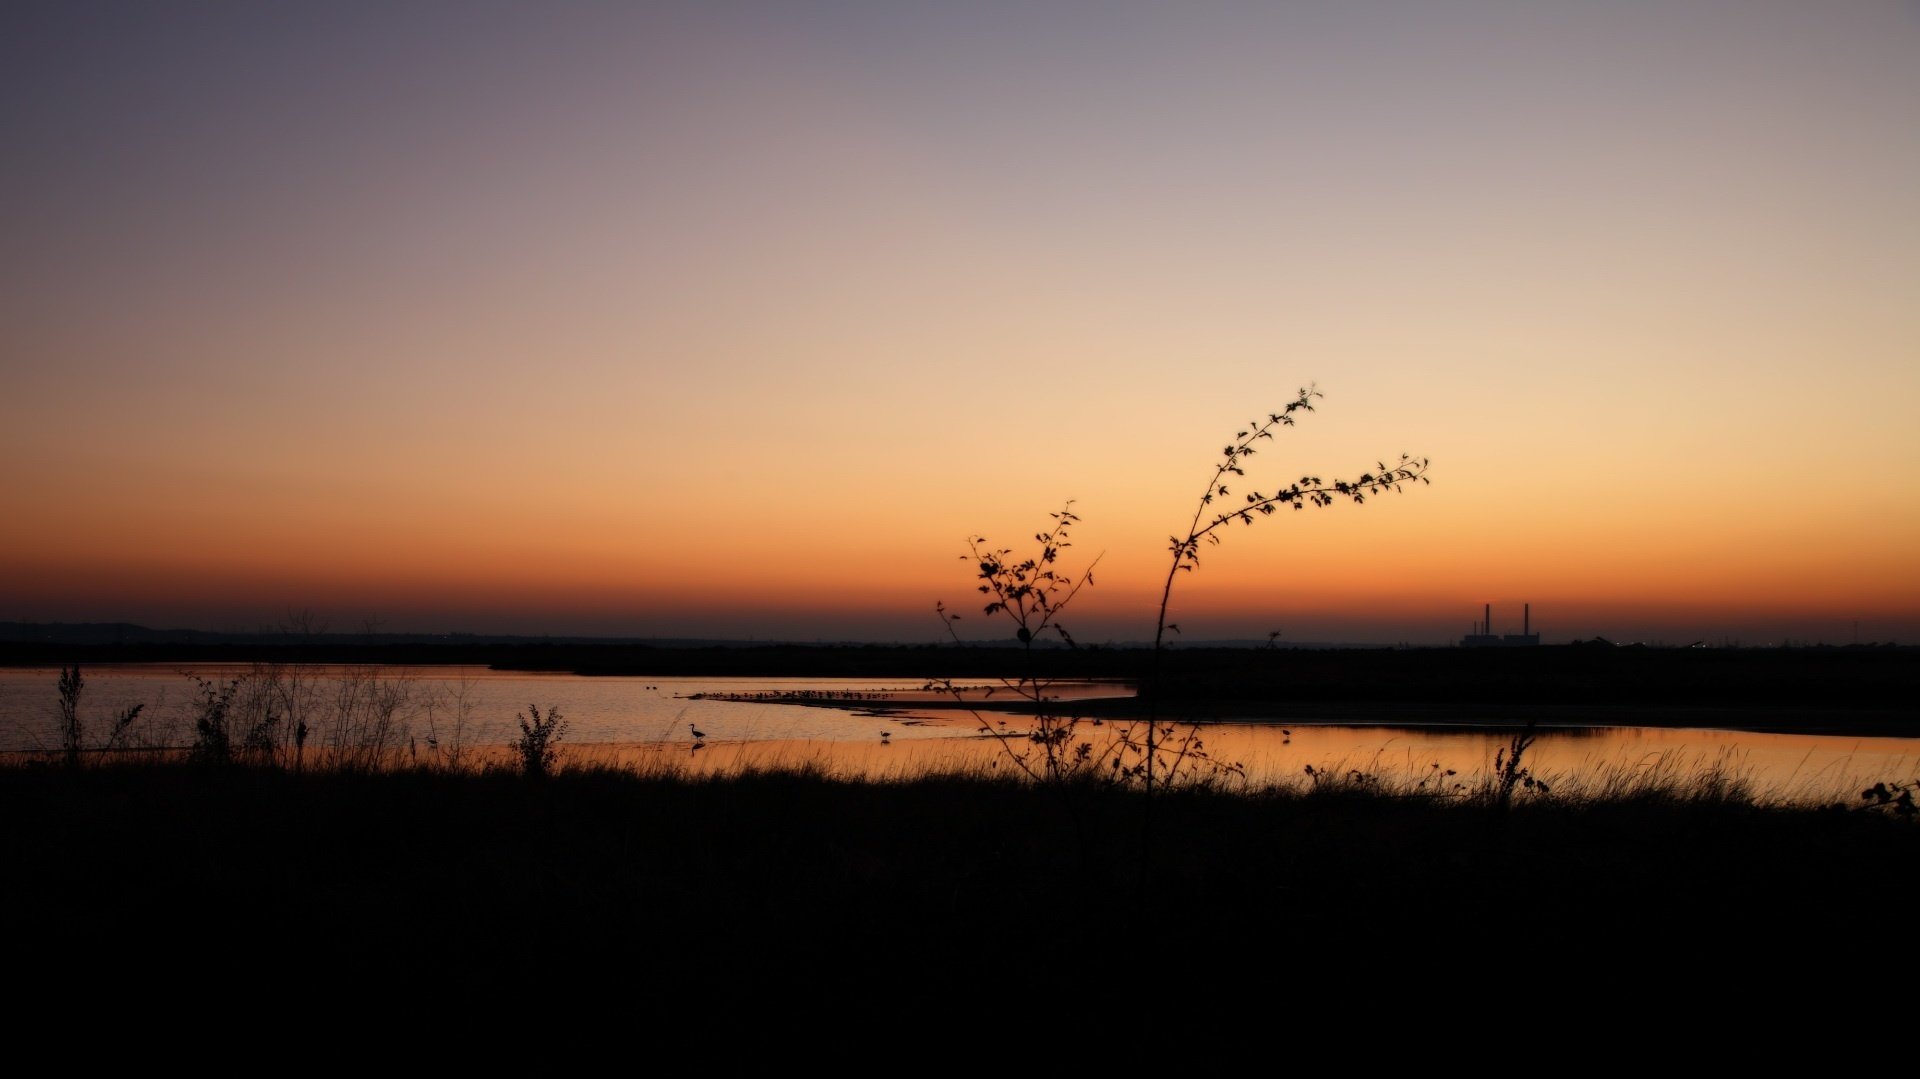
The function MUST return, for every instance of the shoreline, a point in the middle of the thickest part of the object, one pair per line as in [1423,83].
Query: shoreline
[1865,722]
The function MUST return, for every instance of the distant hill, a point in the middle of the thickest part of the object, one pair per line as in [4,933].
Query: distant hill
[128,633]
[95,633]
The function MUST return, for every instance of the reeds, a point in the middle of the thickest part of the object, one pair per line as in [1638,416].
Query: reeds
[368,720]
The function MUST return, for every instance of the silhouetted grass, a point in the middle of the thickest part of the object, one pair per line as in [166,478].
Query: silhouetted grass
[773,879]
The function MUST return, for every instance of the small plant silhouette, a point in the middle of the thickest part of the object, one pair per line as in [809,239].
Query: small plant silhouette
[73,729]
[117,735]
[213,722]
[1509,774]
[1032,593]
[1894,798]
[539,737]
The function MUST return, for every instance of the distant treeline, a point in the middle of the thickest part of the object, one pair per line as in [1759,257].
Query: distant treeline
[1228,681]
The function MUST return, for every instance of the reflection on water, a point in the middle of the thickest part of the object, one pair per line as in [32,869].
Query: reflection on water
[1596,761]
[649,722]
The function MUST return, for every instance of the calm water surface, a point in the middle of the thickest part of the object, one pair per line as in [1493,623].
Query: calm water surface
[636,720]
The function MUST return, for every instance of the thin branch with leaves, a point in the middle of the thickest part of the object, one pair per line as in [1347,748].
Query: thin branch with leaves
[1210,522]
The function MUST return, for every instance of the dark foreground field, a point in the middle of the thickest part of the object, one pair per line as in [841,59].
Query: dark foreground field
[335,905]
[785,886]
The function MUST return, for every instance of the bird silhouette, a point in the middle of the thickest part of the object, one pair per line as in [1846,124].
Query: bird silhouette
[697,732]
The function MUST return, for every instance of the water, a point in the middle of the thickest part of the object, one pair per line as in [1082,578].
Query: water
[418,712]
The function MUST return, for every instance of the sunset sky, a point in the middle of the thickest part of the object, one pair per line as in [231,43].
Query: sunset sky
[736,319]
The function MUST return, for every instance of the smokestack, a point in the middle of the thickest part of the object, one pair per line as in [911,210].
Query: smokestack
[1487,626]
[1526,618]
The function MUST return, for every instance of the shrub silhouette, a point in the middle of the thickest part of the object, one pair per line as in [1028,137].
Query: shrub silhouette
[1031,593]
[539,736]
[213,721]
[72,734]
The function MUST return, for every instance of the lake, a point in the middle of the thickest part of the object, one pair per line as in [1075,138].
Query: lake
[424,713]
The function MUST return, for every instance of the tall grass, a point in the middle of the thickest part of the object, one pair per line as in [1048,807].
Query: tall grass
[367,720]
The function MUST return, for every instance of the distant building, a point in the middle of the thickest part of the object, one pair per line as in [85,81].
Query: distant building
[1483,636]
